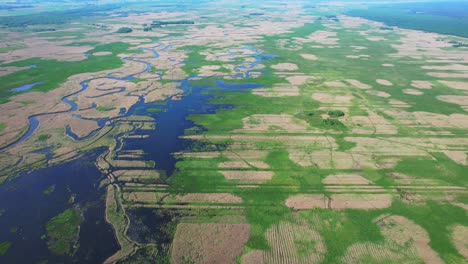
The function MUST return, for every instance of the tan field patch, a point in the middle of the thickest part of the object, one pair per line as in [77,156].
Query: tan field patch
[412,92]
[332,160]
[335,84]
[388,65]
[451,67]
[340,201]
[285,67]
[208,198]
[378,93]
[309,56]
[209,243]
[460,239]
[461,100]
[294,243]
[10,69]
[332,98]
[383,82]
[136,175]
[298,79]
[398,103]
[346,179]
[244,165]
[372,124]
[460,157]
[379,253]
[456,85]
[248,176]
[279,90]
[280,123]
[358,84]
[403,231]
[144,197]
[254,257]
[102,53]
[421,84]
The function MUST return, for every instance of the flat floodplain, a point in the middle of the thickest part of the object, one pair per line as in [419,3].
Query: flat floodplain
[226,132]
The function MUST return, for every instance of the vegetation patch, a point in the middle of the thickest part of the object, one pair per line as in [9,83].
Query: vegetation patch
[4,246]
[63,231]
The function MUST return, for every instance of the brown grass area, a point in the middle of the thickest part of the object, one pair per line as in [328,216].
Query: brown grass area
[372,124]
[144,197]
[358,84]
[421,84]
[329,98]
[254,257]
[335,84]
[209,243]
[243,165]
[460,239]
[378,93]
[269,123]
[248,176]
[460,157]
[278,90]
[285,67]
[294,243]
[208,198]
[309,56]
[404,231]
[298,79]
[136,175]
[346,179]
[383,82]
[378,253]
[412,92]
[456,85]
[307,201]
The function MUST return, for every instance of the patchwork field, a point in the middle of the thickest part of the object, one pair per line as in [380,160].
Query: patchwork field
[273,132]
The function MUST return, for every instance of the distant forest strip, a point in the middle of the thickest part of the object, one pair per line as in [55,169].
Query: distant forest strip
[444,18]
[54,17]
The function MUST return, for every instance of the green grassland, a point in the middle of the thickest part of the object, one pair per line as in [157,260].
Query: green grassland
[264,206]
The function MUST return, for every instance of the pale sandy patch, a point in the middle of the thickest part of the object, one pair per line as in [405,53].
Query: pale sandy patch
[412,92]
[346,179]
[332,98]
[285,66]
[421,84]
[254,257]
[248,176]
[460,157]
[340,201]
[404,231]
[398,103]
[298,79]
[286,241]
[372,124]
[335,84]
[243,165]
[460,239]
[136,175]
[388,65]
[384,82]
[102,53]
[278,90]
[448,75]
[209,243]
[10,69]
[378,93]
[455,85]
[143,197]
[358,84]
[451,67]
[454,99]
[209,198]
[281,123]
[309,56]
